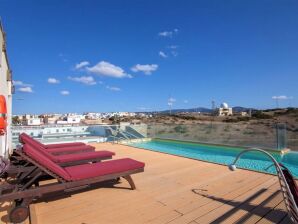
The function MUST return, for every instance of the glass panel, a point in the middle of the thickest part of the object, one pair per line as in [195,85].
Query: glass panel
[245,134]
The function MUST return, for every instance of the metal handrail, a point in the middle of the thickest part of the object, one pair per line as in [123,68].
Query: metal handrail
[287,194]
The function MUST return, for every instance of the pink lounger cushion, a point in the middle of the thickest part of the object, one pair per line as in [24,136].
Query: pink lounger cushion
[75,157]
[74,149]
[83,156]
[86,171]
[46,162]
[24,138]
[70,144]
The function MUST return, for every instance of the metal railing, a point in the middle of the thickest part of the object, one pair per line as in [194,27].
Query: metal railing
[231,134]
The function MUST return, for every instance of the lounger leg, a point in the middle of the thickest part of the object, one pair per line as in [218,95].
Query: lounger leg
[130,181]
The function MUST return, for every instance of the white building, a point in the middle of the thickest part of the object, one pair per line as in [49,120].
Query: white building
[225,110]
[6,89]
[33,121]
[70,119]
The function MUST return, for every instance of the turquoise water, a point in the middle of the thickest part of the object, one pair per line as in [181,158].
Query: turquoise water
[221,154]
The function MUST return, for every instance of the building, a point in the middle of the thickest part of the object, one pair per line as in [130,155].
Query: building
[224,110]
[50,120]
[31,120]
[70,119]
[6,89]
[34,121]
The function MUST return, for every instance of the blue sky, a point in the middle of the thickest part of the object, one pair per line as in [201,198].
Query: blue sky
[135,55]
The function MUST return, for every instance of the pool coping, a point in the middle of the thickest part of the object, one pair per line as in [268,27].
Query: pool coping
[147,139]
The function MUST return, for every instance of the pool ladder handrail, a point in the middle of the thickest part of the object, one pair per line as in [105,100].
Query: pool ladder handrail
[289,200]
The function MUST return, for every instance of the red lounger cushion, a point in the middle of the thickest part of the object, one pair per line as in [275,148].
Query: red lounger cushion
[24,138]
[86,171]
[46,162]
[75,157]
[83,156]
[70,144]
[291,182]
[74,149]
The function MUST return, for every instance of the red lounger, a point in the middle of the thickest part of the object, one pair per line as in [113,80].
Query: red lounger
[61,150]
[31,185]
[24,136]
[78,158]
[85,171]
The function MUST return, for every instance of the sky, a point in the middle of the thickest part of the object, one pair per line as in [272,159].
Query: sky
[137,55]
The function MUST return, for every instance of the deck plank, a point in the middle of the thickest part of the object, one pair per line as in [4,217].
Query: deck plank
[171,190]
[276,215]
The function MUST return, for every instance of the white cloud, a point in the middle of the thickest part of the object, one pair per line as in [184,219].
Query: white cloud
[113,88]
[162,54]
[147,69]
[82,64]
[64,92]
[20,83]
[87,80]
[107,69]
[26,89]
[282,97]
[168,33]
[165,34]
[53,81]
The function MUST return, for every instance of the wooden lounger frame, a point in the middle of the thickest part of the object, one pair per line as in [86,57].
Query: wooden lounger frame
[26,187]
[20,163]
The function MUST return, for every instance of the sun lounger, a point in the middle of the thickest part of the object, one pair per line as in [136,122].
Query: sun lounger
[23,137]
[68,179]
[78,158]
[60,150]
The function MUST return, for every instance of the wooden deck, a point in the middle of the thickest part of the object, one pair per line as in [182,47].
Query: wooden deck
[172,190]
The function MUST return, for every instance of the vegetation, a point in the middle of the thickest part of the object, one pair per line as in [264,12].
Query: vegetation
[180,129]
[261,115]
[16,120]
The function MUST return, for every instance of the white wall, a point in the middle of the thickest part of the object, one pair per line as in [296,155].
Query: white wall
[6,90]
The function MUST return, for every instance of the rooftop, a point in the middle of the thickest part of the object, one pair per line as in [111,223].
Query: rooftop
[171,190]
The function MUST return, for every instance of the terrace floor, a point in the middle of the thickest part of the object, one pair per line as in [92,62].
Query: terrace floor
[172,190]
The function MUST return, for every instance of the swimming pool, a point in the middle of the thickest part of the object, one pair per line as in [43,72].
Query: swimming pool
[221,154]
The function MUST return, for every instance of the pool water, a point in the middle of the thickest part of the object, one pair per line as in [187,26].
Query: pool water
[221,154]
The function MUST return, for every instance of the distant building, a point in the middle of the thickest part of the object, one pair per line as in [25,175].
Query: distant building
[31,120]
[224,110]
[244,114]
[50,120]
[70,119]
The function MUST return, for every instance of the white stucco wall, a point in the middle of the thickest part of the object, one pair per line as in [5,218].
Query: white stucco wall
[6,90]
